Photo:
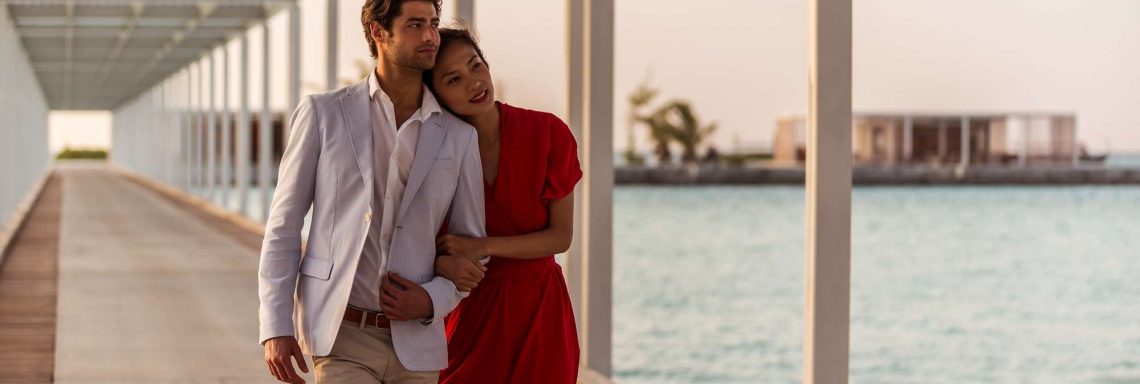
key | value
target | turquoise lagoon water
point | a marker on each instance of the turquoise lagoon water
(950, 285)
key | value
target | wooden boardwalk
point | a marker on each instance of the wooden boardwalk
(28, 294)
(113, 281)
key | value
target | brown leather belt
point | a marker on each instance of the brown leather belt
(357, 316)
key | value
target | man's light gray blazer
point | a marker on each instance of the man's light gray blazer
(328, 165)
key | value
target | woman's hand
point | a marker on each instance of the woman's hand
(465, 247)
(464, 272)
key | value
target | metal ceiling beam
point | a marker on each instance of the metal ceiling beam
(69, 54)
(115, 21)
(153, 3)
(124, 36)
(140, 33)
(204, 11)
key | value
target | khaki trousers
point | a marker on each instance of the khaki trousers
(364, 354)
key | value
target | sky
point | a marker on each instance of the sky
(743, 64)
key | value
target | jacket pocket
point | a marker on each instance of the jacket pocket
(316, 267)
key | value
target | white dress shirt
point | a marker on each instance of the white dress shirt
(393, 151)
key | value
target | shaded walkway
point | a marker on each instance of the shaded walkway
(149, 290)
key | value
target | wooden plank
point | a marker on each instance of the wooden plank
(28, 293)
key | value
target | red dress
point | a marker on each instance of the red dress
(517, 326)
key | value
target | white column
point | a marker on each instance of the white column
(155, 115)
(133, 134)
(592, 259)
(187, 131)
(265, 149)
(908, 139)
(294, 63)
(331, 49)
(227, 131)
(196, 130)
(827, 274)
(965, 162)
(465, 11)
(575, 264)
(242, 141)
(211, 133)
(171, 126)
(160, 130)
(143, 133)
(157, 129)
(188, 119)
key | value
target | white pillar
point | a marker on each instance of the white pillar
(265, 149)
(187, 131)
(211, 133)
(331, 49)
(965, 162)
(159, 127)
(227, 131)
(908, 139)
(242, 143)
(196, 112)
(827, 301)
(575, 265)
(144, 133)
(591, 41)
(171, 126)
(157, 159)
(465, 12)
(294, 63)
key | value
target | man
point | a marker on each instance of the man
(382, 166)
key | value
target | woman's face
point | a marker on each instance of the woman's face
(462, 81)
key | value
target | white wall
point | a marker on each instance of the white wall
(23, 122)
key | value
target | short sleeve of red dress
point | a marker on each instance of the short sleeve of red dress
(562, 169)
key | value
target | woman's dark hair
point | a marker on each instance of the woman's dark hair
(385, 12)
(448, 37)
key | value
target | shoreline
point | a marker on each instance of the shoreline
(881, 175)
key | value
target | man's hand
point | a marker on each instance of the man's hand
(403, 299)
(466, 247)
(464, 272)
(278, 351)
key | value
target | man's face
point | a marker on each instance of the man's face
(414, 39)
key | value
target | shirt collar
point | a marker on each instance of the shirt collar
(429, 106)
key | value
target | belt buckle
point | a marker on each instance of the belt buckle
(379, 318)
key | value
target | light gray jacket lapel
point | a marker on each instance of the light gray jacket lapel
(357, 109)
(431, 138)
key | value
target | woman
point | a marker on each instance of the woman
(517, 325)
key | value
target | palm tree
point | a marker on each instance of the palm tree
(677, 121)
(659, 131)
(638, 99)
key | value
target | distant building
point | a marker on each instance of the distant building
(936, 139)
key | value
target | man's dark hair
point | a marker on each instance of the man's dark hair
(449, 36)
(385, 12)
